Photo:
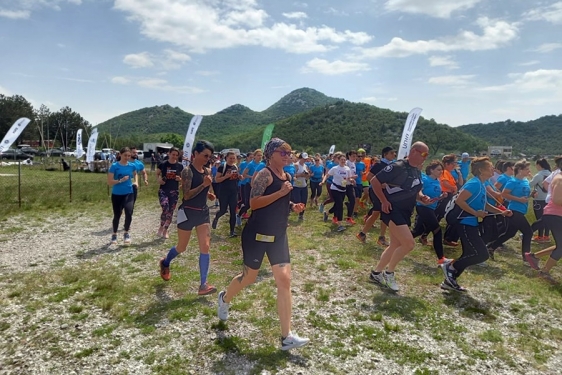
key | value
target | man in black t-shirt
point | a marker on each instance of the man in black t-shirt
(402, 188)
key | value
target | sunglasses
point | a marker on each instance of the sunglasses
(424, 154)
(283, 153)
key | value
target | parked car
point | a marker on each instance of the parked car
(55, 152)
(69, 153)
(14, 154)
(29, 150)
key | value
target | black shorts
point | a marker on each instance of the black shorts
(397, 216)
(254, 248)
(374, 200)
(193, 218)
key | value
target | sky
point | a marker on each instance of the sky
(462, 61)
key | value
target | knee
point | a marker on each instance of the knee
(284, 283)
(408, 245)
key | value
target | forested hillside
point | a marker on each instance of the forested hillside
(542, 136)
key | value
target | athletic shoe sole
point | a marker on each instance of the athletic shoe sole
(446, 286)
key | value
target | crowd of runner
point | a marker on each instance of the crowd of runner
(483, 206)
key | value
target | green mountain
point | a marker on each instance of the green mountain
(542, 136)
(352, 125)
(236, 119)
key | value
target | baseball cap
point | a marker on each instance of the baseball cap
(465, 155)
(386, 150)
(361, 151)
(304, 155)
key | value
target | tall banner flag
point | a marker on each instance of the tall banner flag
(79, 149)
(13, 133)
(332, 150)
(408, 133)
(190, 138)
(92, 146)
(267, 135)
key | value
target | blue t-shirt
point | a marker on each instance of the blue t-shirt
(317, 173)
(241, 168)
(518, 188)
(491, 200)
(359, 169)
(431, 188)
(465, 167)
(290, 169)
(139, 165)
(455, 175)
(329, 165)
(502, 180)
(477, 200)
(251, 169)
(119, 171)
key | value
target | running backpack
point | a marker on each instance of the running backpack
(453, 213)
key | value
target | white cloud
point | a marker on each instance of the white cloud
(202, 26)
(139, 60)
(207, 73)
(295, 15)
(551, 13)
(495, 34)
(173, 59)
(120, 80)
(334, 67)
(548, 47)
(162, 84)
(458, 80)
(537, 80)
(15, 14)
(446, 61)
(373, 99)
(300, 4)
(335, 12)
(433, 8)
(529, 63)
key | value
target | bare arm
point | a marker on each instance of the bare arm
(261, 181)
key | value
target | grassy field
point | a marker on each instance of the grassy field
(506, 324)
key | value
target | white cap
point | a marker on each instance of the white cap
(465, 155)
(304, 155)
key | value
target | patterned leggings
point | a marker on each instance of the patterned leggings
(168, 201)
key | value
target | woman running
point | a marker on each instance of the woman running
(471, 204)
(539, 200)
(227, 178)
(249, 171)
(553, 219)
(266, 233)
(517, 191)
(121, 176)
(341, 177)
(194, 213)
(300, 184)
(426, 218)
(169, 176)
(317, 173)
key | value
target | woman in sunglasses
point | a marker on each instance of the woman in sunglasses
(194, 213)
(266, 233)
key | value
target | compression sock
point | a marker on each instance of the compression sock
(171, 255)
(204, 261)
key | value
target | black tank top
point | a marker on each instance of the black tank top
(272, 219)
(200, 200)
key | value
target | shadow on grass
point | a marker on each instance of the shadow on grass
(102, 233)
(111, 249)
(392, 304)
(469, 307)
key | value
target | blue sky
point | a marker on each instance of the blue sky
(462, 61)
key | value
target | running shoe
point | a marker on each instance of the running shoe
(166, 234)
(382, 241)
(446, 285)
(450, 243)
(361, 237)
(449, 274)
(391, 281)
(245, 216)
(114, 239)
(482, 264)
(350, 221)
(164, 271)
(325, 217)
(127, 239)
(443, 261)
(206, 289)
(222, 310)
(321, 207)
(423, 241)
(340, 228)
(214, 223)
(293, 341)
(532, 260)
(232, 235)
(238, 221)
(547, 276)
(537, 238)
(335, 220)
(377, 278)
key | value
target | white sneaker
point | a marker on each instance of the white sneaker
(127, 239)
(293, 341)
(391, 281)
(222, 310)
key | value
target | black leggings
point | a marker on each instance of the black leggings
(489, 229)
(120, 203)
(517, 222)
(474, 249)
(246, 189)
(538, 208)
(338, 197)
(227, 200)
(350, 193)
(426, 221)
(330, 198)
(315, 190)
(555, 222)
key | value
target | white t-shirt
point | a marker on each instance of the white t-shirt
(341, 177)
(548, 180)
(300, 181)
